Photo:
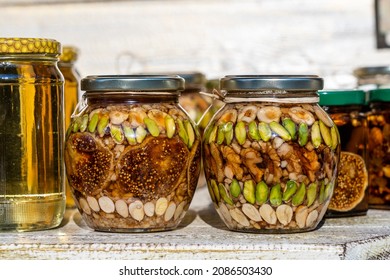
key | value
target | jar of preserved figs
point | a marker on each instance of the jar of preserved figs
(271, 154)
(66, 65)
(379, 149)
(132, 154)
(32, 195)
(372, 77)
(346, 108)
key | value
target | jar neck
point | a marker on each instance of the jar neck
(18, 57)
(277, 96)
(130, 97)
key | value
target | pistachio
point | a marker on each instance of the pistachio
(289, 125)
(212, 135)
(291, 188)
(182, 132)
(121, 208)
(179, 210)
(268, 214)
(328, 190)
(311, 194)
(249, 191)
(280, 130)
(93, 203)
(159, 117)
(251, 212)
(264, 131)
(170, 211)
(129, 133)
(299, 196)
(149, 209)
(325, 133)
(93, 122)
(225, 196)
(211, 192)
(228, 129)
(321, 197)
(220, 135)
(316, 135)
(239, 217)
(323, 116)
(102, 124)
(235, 189)
(300, 115)
(152, 127)
(84, 206)
(253, 131)
(303, 134)
(269, 114)
(106, 204)
(118, 117)
(312, 218)
(215, 189)
(170, 126)
(240, 132)
(284, 213)
(247, 114)
(190, 133)
(116, 133)
(140, 134)
(84, 123)
(136, 210)
(335, 137)
(275, 196)
(76, 124)
(261, 192)
(161, 206)
(301, 215)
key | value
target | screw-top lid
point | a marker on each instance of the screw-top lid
(379, 95)
(143, 83)
(371, 70)
(271, 82)
(29, 46)
(193, 80)
(342, 97)
(69, 54)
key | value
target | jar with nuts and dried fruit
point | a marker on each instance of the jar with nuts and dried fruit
(271, 154)
(132, 154)
(346, 108)
(379, 149)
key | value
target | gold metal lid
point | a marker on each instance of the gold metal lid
(69, 54)
(29, 46)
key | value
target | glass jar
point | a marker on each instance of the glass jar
(346, 108)
(132, 154)
(66, 65)
(379, 149)
(271, 154)
(372, 77)
(32, 193)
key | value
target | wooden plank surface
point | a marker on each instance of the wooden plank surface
(202, 235)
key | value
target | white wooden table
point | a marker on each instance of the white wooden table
(202, 235)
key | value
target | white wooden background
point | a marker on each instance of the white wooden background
(325, 37)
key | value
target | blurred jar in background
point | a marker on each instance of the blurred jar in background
(345, 107)
(372, 77)
(379, 149)
(66, 64)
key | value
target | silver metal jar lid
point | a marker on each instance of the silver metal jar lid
(143, 83)
(271, 82)
(371, 70)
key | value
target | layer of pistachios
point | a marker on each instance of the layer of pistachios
(133, 167)
(271, 167)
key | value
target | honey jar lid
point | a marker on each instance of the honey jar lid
(371, 71)
(271, 82)
(342, 97)
(134, 83)
(69, 54)
(379, 95)
(29, 46)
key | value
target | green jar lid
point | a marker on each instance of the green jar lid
(342, 97)
(381, 95)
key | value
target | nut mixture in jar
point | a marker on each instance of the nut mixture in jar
(271, 161)
(379, 149)
(346, 108)
(132, 158)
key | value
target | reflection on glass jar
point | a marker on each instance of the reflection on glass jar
(66, 65)
(31, 134)
(271, 154)
(350, 195)
(132, 154)
(379, 149)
